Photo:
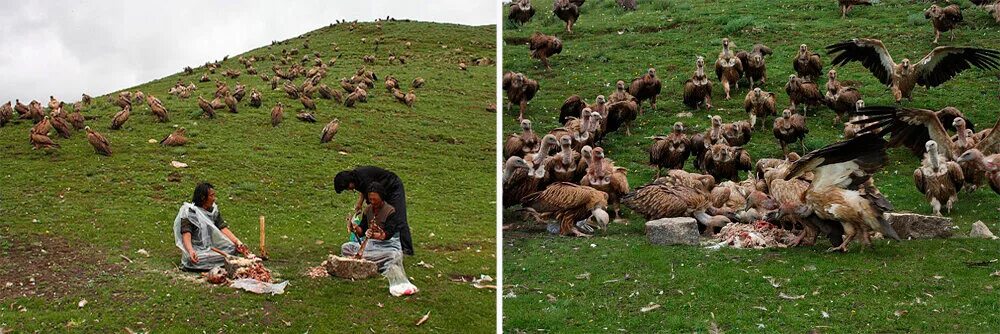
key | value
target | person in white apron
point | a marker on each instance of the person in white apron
(199, 227)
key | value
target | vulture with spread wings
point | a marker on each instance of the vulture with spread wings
(913, 127)
(840, 190)
(937, 67)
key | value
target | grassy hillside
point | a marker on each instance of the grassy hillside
(935, 285)
(69, 215)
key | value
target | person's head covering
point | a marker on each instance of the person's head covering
(343, 180)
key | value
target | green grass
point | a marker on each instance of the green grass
(860, 291)
(112, 206)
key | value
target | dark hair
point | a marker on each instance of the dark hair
(201, 193)
(343, 180)
(377, 188)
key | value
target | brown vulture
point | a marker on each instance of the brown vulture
(121, 117)
(230, 102)
(670, 151)
(759, 104)
(622, 114)
(572, 205)
(329, 131)
(603, 175)
(240, 92)
(410, 98)
(847, 5)
(646, 87)
(842, 99)
(700, 142)
(978, 168)
(840, 190)
(943, 19)
(85, 99)
(937, 67)
(549, 143)
(790, 128)
(158, 109)
(519, 144)
(255, 100)
(807, 64)
(6, 113)
(521, 12)
(754, 67)
(574, 105)
(656, 201)
(802, 92)
(543, 46)
(567, 11)
(724, 162)
(41, 140)
(520, 180)
(702, 182)
(175, 138)
(519, 90)
(737, 133)
(306, 117)
(851, 128)
(913, 127)
(417, 82)
(99, 142)
(938, 179)
(698, 89)
(20, 108)
(61, 126)
(562, 167)
(277, 114)
(628, 4)
(206, 107)
(728, 68)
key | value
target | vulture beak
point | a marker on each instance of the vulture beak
(599, 219)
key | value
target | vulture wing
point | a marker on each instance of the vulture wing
(869, 52)
(918, 179)
(847, 164)
(945, 62)
(907, 126)
(571, 107)
(565, 196)
(991, 143)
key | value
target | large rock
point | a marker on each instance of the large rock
(673, 231)
(914, 226)
(979, 230)
(350, 268)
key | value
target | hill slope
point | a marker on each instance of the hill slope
(859, 290)
(102, 208)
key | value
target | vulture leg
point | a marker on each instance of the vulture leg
(866, 237)
(843, 11)
(896, 93)
(708, 102)
(784, 147)
(951, 202)
(725, 87)
(523, 105)
(937, 34)
(652, 103)
(849, 234)
(545, 61)
(803, 143)
(936, 205)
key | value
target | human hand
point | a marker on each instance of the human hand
(194, 256)
(242, 249)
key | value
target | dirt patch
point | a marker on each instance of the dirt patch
(48, 266)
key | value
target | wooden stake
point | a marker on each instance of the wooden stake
(263, 249)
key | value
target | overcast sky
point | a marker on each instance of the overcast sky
(65, 48)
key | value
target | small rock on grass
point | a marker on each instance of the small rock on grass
(979, 230)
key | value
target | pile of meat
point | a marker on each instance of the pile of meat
(255, 271)
(760, 234)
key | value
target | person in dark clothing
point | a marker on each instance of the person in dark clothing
(362, 179)
(379, 227)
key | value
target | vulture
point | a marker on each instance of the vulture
(912, 127)
(698, 89)
(231, 103)
(520, 180)
(20, 108)
(562, 166)
(759, 104)
(391, 83)
(803, 92)
(964, 138)
(85, 99)
(410, 98)
(53, 103)
(329, 131)
(206, 107)
(520, 90)
(567, 11)
(99, 142)
(737, 133)
(521, 12)
(847, 5)
(753, 63)
(840, 190)
(670, 151)
(417, 82)
(307, 102)
(175, 138)
(851, 129)
(277, 114)
(792, 210)
(35, 112)
(702, 182)
(604, 176)
(240, 92)
(620, 94)
(656, 201)
(937, 67)
(159, 111)
(790, 128)
(572, 205)
(61, 126)
(6, 113)
(807, 64)
(41, 140)
(646, 87)
(520, 144)
(327, 93)
(943, 19)
(938, 179)
(548, 144)
(728, 68)
(120, 118)
(255, 98)
(581, 130)
(622, 114)
(979, 168)
(701, 141)
(842, 99)
(43, 126)
(399, 95)
(543, 46)
(628, 4)
(574, 105)
(724, 162)
(306, 117)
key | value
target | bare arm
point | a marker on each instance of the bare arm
(186, 239)
(361, 201)
(229, 235)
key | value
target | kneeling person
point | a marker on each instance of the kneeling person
(199, 227)
(380, 225)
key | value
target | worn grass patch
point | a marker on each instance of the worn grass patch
(602, 283)
(442, 148)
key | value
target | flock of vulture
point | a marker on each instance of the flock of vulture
(565, 175)
(312, 68)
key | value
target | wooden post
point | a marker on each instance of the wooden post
(263, 248)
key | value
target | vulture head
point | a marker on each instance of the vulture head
(586, 152)
(652, 72)
(932, 154)
(959, 124)
(972, 155)
(793, 80)
(716, 121)
(792, 157)
(678, 127)
(620, 85)
(933, 11)
(601, 100)
(786, 113)
(860, 104)
(757, 92)
(725, 43)
(88, 129)
(905, 64)
(803, 51)
(700, 62)
(512, 164)
(518, 80)
(832, 74)
(598, 218)
(526, 125)
(595, 121)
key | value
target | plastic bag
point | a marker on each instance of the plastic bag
(256, 286)
(399, 285)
